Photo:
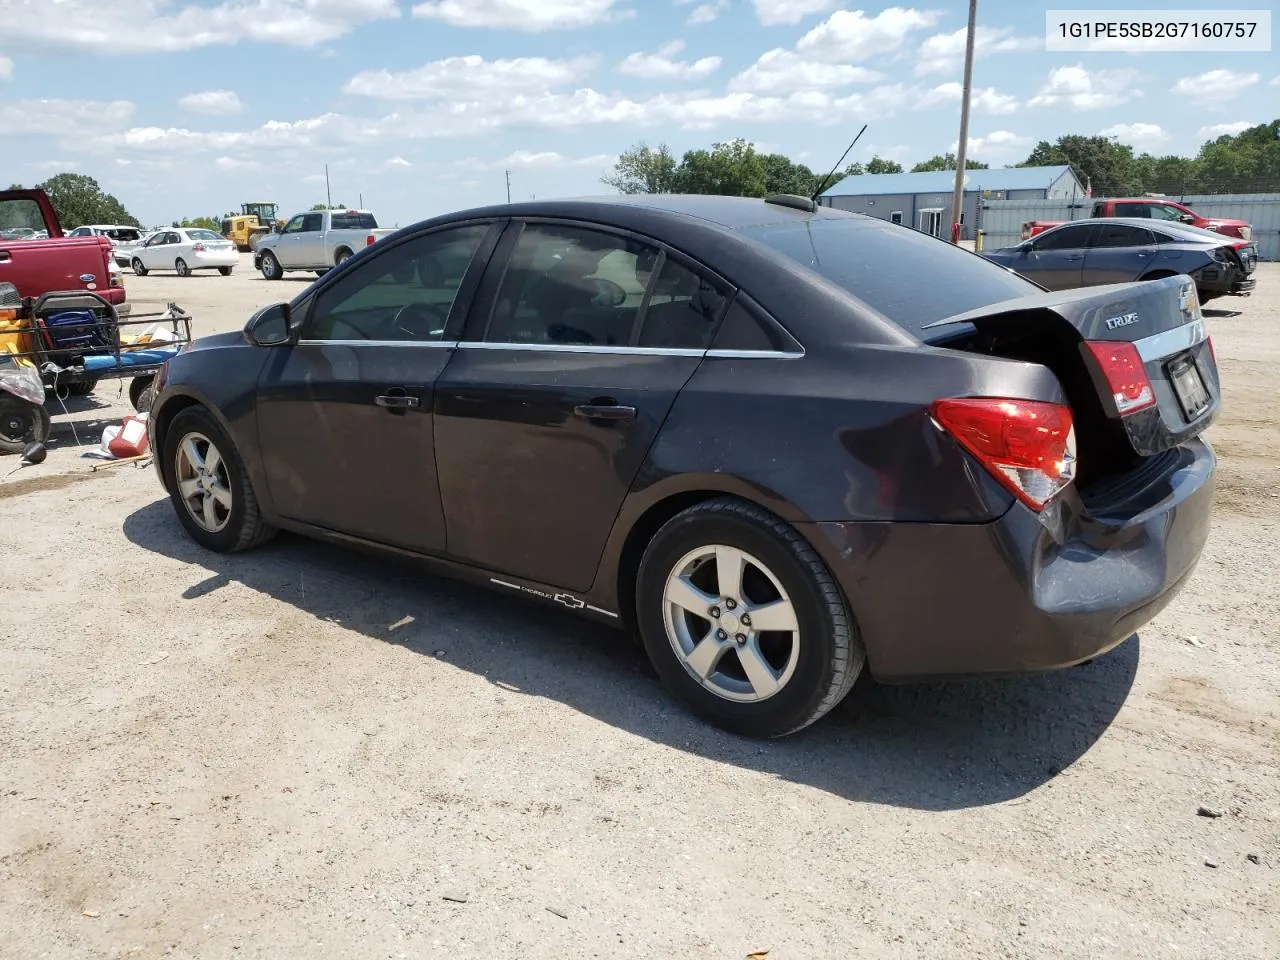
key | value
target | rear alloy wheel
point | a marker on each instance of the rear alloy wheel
(743, 621)
(209, 486)
(225, 271)
(271, 266)
(21, 423)
(138, 268)
(181, 266)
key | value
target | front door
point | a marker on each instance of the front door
(549, 408)
(930, 221)
(1055, 259)
(345, 415)
(296, 240)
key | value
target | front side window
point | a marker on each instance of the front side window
(294, 225)
(1161, 211)
(1065, 238)
(404, 293)
(1133, 210)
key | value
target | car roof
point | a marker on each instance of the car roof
(732, 213)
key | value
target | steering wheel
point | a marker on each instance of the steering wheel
(422, 321)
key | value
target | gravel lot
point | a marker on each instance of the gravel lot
(302, 752)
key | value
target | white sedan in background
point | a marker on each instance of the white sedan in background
(183, 250)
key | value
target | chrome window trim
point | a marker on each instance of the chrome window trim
(377, 343)
(755, 354)
(581, 348)
(1171, 341)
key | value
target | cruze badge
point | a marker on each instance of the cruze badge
(1115, 323)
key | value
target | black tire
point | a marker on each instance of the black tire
(21, 423)
(830, 653)
(181, 267)
(341, 256)
(142, 390)
(225, 271)
(81, 388)
(271, 266)
(138, 268)
(245, 527)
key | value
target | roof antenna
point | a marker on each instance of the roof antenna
(822, 184)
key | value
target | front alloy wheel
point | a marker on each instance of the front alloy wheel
(203, 482)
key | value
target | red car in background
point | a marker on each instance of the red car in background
(1155, 208)
(58, 262)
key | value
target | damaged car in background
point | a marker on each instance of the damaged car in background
(1086, 253)
(738, 427)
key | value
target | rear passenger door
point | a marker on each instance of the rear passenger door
(580, 341)
(1118, 253)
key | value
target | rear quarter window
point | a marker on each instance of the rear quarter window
(911, 278)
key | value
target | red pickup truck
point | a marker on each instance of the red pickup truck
(57, 262)
(1155, 209)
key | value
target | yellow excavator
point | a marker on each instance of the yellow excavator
(254, 222)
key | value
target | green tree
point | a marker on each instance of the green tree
(783, 176)
(1103, 161)
(732, 168)
(325, 206)
(201, 223)
(876, 165)
(947, 161)
(79, 200)
(643, 170)
(1245, 163)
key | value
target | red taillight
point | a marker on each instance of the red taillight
(198, 248)
(1029, 446)
(368, 241)
(1125, 374)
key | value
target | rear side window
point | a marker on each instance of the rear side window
(353, 221)
(682, 310)
(1122, 235)
(312, 222)
(905, 275)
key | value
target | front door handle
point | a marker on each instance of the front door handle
(604, 411)
(397, 400)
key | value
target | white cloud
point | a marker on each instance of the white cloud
(944, 52)
(470, 78)
(851, 35)
(399, 163)
(773, 12)
(1076, 88)
(1217, 130)
(6, 68)
(1143, 136)
(547, 159)
(981, 99)
(236, 163)
(705, 12)
(1275, 81)
(53, 166)
(61, 116)
(214, 102)
(137, 26)
(1214, 86)
(999, 145)
(531, 16)
(663, 66)
(782, 71)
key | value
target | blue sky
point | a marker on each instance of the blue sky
(187, 107)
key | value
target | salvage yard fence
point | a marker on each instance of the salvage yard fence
(1001, 220)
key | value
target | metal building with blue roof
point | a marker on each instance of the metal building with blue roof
(923, 200)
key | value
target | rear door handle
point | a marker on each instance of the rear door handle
(604, 411)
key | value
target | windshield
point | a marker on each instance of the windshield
(352, 221)
(909, 277)
(125, 234)
(203, 235)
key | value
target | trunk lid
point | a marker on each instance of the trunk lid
(1134, 360)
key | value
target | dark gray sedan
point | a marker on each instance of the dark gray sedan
(1087, 253)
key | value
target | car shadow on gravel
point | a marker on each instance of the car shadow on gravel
(929, 747)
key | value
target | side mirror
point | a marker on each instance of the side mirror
(1187, 218)
(271, 326)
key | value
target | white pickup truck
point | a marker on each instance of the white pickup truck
(318, 240)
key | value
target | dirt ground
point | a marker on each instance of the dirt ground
(302, 752)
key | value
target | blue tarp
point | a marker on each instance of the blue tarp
(131, 358)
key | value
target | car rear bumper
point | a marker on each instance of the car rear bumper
(1242, 288)
(1015, 595)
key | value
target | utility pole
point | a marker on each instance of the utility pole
(508, 172)
(327, 195)
(957, 202)
(361, 203)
